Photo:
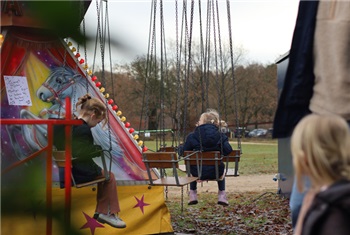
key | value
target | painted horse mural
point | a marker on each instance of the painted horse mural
(61, 83)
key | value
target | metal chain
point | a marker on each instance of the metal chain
(216, 60)
(85, 53)
(62, 74)
(149, 61)
(202, 56)
(162, 46)
(107, 31)
(101, 36)
(186, 79)
(222, 91)
(177, 105)
(207, 61)
(233, 77)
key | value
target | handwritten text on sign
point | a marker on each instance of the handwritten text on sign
(17, 90)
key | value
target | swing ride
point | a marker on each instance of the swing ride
(51, 75)
(185, 77)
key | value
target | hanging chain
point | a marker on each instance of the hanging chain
(207, 59)
(202, 57)
(219, 91)
(104, 81)
(233, 77)
(110, 54)
(101, 37)
(149, 62)
(186, 79)
(222, 91)
(161, 85)
(85, 54)
(216, 60)
(177, 109)
(62, 74)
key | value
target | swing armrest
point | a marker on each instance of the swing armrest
(233, 156)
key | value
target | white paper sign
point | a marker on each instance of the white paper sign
(17, 90)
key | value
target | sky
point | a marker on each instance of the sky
(264, 28)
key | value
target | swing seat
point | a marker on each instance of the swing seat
(234, 156)
(197, 158)
(60, 159)
(162, 161)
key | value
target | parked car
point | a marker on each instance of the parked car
(257, 133)
(241, 132)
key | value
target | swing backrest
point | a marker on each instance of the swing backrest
(167, 149)
(206, 158)
(200, 159)
(234, 156)
(161, 160)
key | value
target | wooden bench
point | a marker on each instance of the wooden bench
(60, 159)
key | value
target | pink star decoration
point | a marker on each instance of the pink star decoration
(91, 223)
(141, 203)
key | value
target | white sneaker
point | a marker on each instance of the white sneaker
(112, 220)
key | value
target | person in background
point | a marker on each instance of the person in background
(224, 128)
(92, 111)
(320, 147)
(317, 77)
(208, 137)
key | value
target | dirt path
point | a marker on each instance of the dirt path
(243, 183)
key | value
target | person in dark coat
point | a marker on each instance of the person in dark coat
(321, 150)
(84, 169)
(317, 77)
(208, 137)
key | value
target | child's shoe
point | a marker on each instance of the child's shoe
(112, 220)
(193, 197)
(222, 200)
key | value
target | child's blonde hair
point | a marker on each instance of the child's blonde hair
(91, 105)
(321, 149)
(211, 116)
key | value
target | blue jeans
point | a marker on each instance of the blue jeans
(296, 199)
(208, 173)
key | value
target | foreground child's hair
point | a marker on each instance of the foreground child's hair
(91, 105)
(321, 149)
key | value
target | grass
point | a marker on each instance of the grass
(248, 213)
(258, 158)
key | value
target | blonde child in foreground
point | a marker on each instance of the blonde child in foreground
(321, 150)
